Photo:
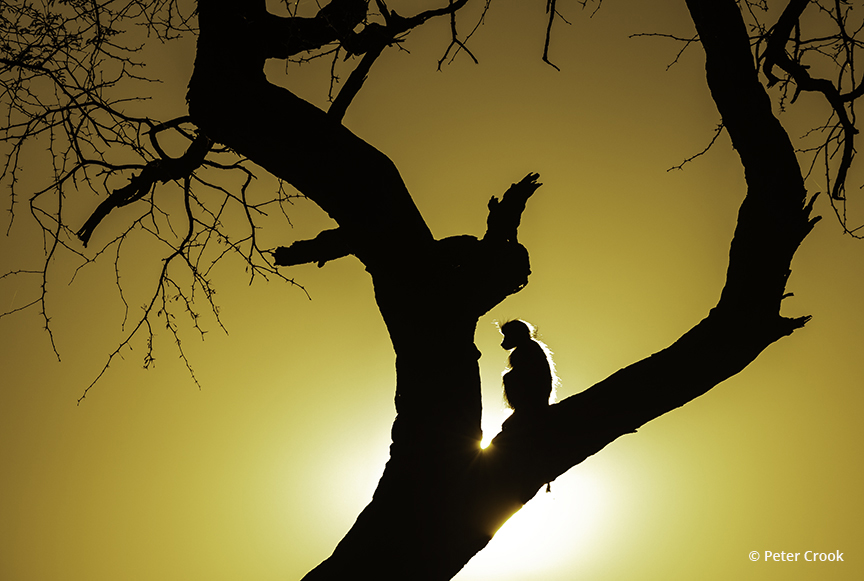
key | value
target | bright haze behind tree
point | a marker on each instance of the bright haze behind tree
(433, 293)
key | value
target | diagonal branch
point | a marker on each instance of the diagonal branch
(161, 170)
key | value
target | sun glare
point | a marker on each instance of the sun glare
(491, 424)
(552, 529)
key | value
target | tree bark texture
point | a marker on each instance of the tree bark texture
(441, 498)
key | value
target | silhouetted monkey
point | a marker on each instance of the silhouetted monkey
(528, 382)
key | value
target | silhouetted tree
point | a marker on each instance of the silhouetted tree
(441, 498)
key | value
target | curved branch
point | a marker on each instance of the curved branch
(357, 185)
(776, 55)
(161, 170)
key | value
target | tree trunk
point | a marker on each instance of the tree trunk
(441, 498)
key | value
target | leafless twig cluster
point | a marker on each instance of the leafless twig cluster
(810, 47)
(71, 83)
(66, 73)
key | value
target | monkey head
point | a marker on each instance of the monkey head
(516, 332)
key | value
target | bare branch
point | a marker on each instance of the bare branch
(687, 42)
(162, 170)
(459, 44)
(789, 49)
(372, 41)
(717, 131)
(63, 72)
(552, 12)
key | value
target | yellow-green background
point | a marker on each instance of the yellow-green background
(258, 474)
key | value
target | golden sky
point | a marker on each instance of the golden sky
(258, 474)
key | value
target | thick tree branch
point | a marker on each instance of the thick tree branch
(283, 37)
(231, 99)
(328, 245)
(774, 218)
(354, 83)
